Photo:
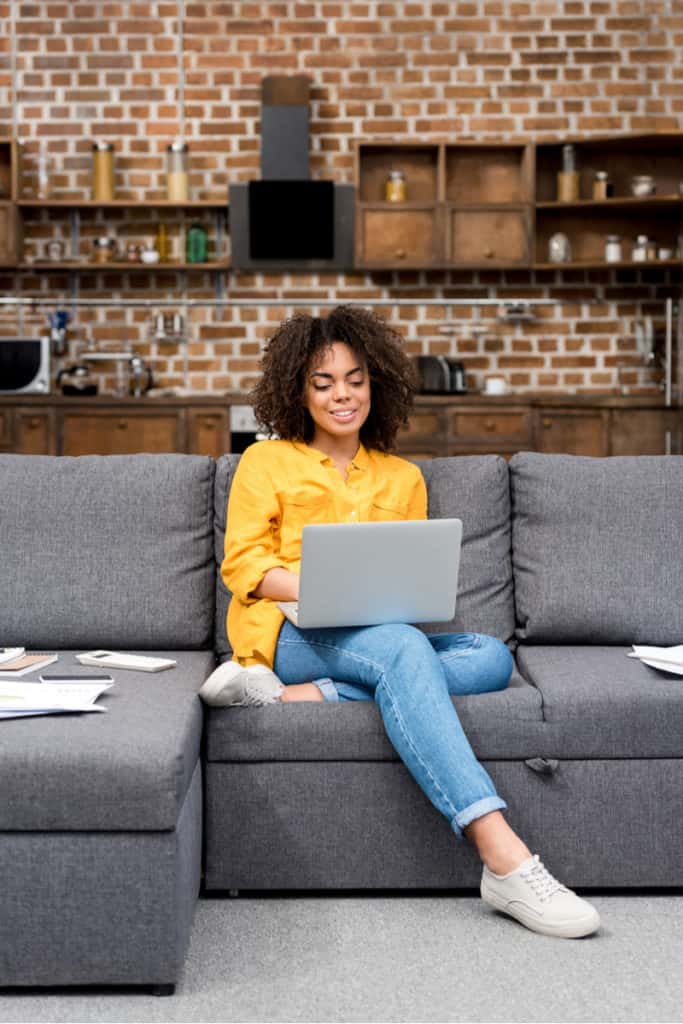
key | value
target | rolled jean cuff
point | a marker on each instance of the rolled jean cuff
(476, 810)
(327, 688)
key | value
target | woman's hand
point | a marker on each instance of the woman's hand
(279, 585)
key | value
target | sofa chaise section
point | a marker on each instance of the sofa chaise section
(101, 818)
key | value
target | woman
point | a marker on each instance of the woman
(335, 391)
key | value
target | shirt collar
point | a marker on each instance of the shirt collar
(360, 460)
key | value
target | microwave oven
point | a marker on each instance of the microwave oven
(24, 366)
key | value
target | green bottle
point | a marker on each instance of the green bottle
(196, 244)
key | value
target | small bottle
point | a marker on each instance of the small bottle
(559, 248)
(613, 251)
(104, 249)
(103, 171)
(177, 177)
(639, 251)
(162, 242)
(602, 188)
(196, 244)
(568, 177)
(395, 187)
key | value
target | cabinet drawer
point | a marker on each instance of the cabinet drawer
(572, 432)
(120, 433)
(397, 237)
(422, 424)
(508, 426)
(209, 433)
(34, 432)
(482, 237)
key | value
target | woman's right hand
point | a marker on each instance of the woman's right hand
(279, 585)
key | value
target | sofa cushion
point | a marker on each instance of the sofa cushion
(507, 723)
(473, 488)
(599, 703)
(111, 552)
(125, 770)
(596, 549)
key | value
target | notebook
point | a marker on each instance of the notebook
(363, 574)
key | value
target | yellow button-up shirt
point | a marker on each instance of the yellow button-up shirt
(278, 488)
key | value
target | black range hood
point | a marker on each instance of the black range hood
(287, 221)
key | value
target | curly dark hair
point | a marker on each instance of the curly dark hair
(298, 344)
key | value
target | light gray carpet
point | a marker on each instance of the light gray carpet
(401, 958)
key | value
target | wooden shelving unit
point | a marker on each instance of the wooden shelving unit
(474, 205)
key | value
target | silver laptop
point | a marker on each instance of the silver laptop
(364, 574)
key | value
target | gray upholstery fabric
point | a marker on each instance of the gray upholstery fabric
(504, 724)
(333, 825)
(125, 770)
(600, 703)
(111, 551)
(596, 549)
(473, 488)
(107, 908)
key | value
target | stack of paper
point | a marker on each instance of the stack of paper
(19, 700)
(668, 659)
(14, 662)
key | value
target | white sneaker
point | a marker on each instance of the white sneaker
(532, 896)
(232, 683)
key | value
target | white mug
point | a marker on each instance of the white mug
(496, 386)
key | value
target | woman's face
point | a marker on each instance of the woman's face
(337, 394)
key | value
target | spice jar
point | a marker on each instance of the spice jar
(613, 251)
(104, 250)
(602, 187)
(568, 177)
(639, 251)
(395, 187)
(102, 171)
(559, 248)
(177, 177)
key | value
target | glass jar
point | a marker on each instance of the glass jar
(395, 187)
(568, 177)
(613, 250)
(102, 171)
(177, 175)
(639, 251)
(196, 244)
(132, 253)
(602, 187)
(104, 250)
(559, 248)
(162, 242)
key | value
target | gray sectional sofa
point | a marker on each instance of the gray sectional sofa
(107, 822)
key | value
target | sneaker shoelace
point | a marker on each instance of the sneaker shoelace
(541, 881)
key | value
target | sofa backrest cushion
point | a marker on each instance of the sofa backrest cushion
(473, 488)
(112, 551)
(597, 548)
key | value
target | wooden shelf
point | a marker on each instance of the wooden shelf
(604, 265)
(121, 204)
(121, 265)
(617, 202)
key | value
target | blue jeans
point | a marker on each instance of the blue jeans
(411, 676)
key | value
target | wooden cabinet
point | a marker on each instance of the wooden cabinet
(120, 433)
(644, 432)
(572, 431)
(208, 432)
(477, 205)
(34, 431)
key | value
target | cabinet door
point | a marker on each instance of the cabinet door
(488, 237)
(640, 431)
(492, 427)
(394, 238)
(209, 432)
(424, 436)
(9, 234)
(572, 432)
(120, 433)
(34, 432)
(5, 429)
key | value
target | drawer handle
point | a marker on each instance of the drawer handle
(489, 253)
(209, 424)
(34, 423)
(490, 425)
(400, 254)
(122, 425)
(547, 423)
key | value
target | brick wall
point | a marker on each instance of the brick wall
(490, 69)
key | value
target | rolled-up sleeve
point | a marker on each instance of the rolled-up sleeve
(252, 521)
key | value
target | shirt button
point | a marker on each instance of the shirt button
(353, 513)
